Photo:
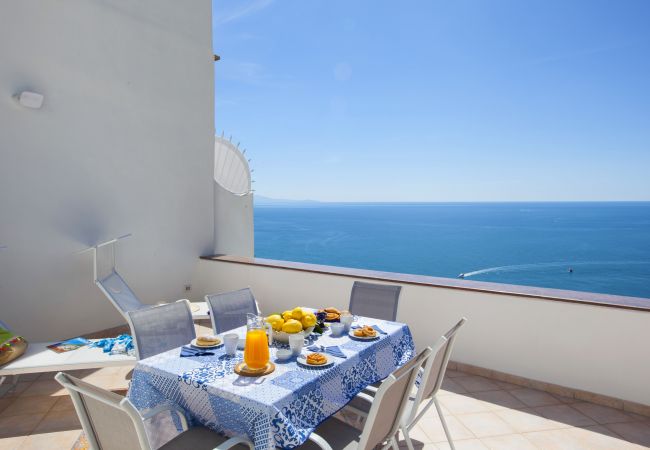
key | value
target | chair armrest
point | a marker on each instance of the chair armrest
(371, 388)
(150, 413)
(322, 443)
(356, 411)
(234, 441)
(366, 397)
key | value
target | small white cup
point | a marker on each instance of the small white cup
(230, 341)
(347, 321)
(296, 341)
(337, 329)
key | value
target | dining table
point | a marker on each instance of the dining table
(282, 408)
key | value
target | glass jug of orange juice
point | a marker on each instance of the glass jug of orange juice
(256, 351)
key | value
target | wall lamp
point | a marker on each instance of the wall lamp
(29, 99)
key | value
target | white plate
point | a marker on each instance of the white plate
(302, 360)
(362, 338)
(195, 345)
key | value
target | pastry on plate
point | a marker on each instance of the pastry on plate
(365, 331)
(331, 314)
(207, 340)
(316, 359)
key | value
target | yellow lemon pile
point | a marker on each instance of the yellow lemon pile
(293, 321)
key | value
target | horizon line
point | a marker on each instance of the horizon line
(281, 200)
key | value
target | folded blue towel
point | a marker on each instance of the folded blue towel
(333, 350)
(121, 344)
(376, 327)
(190, 351)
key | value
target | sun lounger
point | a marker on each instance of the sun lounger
(119, 293)
(38, 358)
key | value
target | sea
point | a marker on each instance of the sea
(593, 247)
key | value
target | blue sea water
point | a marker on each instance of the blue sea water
(606, 244)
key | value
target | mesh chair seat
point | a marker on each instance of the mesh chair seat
(198, 438)
(111, 422)
(374, 300)
(157, 329)
(339, 435)
(229, 309)
(384, 415)
(432, 375)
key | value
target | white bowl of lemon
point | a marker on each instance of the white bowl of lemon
(296, 321)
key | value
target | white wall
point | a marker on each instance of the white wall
(123, 143)
(233, 223)
(596, 349)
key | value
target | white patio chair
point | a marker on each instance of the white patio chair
(111, 283)
(383, 419)
(378, 301)
(111, 422)
(432, 376)
(160, 328)
(228, 310)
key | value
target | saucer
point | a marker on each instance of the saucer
(243, 370)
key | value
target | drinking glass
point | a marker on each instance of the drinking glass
(347, 321)
(337, 328)
(230, 341)
(296, 341)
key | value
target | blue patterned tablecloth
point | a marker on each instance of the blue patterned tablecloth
(280, 409)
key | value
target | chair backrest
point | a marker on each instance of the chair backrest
(228, 310)
(119, 293)
(434, 369)
(109, 421)
(157, 329)
(385, 414)
(374, 300)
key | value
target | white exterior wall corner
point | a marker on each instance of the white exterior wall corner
(124, 143)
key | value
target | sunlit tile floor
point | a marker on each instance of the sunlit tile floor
(481, 414)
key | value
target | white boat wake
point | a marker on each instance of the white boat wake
(550, 265)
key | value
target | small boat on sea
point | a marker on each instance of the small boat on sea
(462, 275)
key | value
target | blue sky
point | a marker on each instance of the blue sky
(464, 100)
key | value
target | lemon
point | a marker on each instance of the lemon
(292, 326)
(276, 321)
(308, 320)
(287, 315)
(297, 313)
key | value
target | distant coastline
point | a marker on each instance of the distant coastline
(261, 200)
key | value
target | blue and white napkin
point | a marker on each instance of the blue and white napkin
(191, 351)
(333, 350)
